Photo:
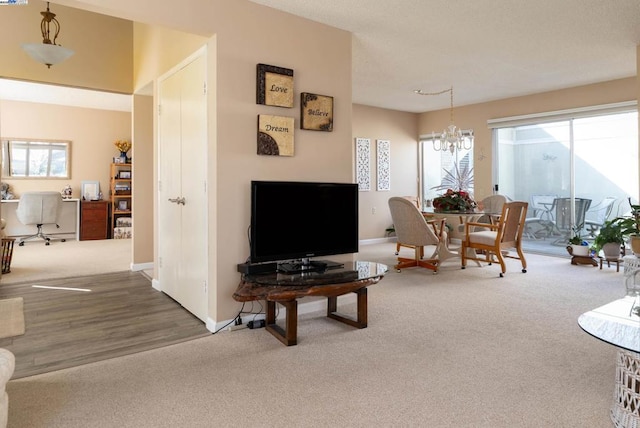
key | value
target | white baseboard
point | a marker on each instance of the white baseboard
(377, 240)
(135, 267)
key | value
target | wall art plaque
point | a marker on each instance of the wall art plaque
(384, 165)
(275, 135)
(363, 164)
(274, 86)
(316, 112)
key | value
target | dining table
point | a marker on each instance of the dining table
(456, 222)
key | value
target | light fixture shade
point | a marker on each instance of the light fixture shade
(46, 53)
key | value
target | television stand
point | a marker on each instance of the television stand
(277, 288)
(305, 265)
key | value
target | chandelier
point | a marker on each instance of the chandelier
(48, 52)
(451, 139)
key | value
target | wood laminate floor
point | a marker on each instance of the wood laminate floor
(121, 314)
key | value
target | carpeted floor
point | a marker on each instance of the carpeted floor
(462, 348)
(35, 261)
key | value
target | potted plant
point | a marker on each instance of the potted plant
(630, 226)
(578, 246)
(609, 239)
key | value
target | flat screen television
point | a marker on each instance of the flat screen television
(300, 220)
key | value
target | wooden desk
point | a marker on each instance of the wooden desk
(286, 289)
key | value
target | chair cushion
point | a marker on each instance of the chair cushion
(485, 237)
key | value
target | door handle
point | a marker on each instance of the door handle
(178, 200)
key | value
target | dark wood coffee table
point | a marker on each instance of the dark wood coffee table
(285, 289)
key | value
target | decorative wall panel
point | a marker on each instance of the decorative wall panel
(384, 165)
(363, 164)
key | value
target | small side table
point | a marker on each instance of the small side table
(609, 261)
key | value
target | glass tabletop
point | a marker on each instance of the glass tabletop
(350, 272)
(617, 323)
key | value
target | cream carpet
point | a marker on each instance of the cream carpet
(462, 348)
(35, 261)
(11, 317)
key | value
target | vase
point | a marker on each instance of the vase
(123, 156)
(634, 242)
(611, 250)
(579, 250)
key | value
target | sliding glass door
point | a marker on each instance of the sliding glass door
(575, 174)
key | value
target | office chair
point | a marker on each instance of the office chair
(39, 208)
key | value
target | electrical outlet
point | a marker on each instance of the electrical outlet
(373, 210)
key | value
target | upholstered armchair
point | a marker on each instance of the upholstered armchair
(414, 231)
(7, 366)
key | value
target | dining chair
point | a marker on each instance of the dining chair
(597, 215)
(416, 201)
(491, 205)
(496, 239)
(563, 224)
(413, 230)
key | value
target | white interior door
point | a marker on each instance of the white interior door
(182, 192)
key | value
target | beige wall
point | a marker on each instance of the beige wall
(321, 59)
(91, 132)
(103, 50)
(402, 130)
(475, 117)
(158, 49)
(143, 155)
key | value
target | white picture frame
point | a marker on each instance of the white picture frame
(90, 190)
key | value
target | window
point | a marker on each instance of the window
(36, 159)
(589, 155)
(442, 169)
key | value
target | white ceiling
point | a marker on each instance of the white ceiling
(485, 49)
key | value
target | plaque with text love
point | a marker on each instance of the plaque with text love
(275, 135)
(274, 86)
(316, 112)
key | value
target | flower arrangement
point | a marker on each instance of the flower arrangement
(454, 201)
(123, 145)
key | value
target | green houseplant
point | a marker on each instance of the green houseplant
(577, 246)
(630, 226)
(609, 239)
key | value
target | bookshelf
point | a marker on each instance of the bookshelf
(121, 201)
